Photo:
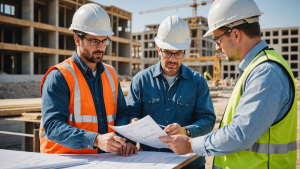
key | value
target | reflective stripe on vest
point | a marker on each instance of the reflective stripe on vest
(111, 81)
(273, 148)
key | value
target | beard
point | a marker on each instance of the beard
(85, 53)
(171, 69)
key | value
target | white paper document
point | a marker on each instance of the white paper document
(144, 160)
(145, 131)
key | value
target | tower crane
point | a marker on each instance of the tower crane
(193, 5)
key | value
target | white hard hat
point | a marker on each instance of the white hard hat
(173, 34)
(231, 13)
(92, 19)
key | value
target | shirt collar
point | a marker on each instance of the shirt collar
(182, 72)
(83, 67)
(251, 55)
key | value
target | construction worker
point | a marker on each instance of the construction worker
(206, 75)
(82, 96)
(174, 95)
(259, 126)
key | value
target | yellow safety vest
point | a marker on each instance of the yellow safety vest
(277, 147)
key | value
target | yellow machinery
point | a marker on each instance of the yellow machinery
(216, 67)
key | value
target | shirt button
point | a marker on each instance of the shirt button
(92, 78)
(100, 113)
(98, 98)
(149, 101)
(186, 105)
(88, 145)
(168, 98)
(167, 109)
(165, 82)
(167, 121)
(101, 119)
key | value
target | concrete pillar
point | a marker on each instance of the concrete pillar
(53, 40)
(27, 10)
(27, 63)
(130, 69)
(117, 67)
(65, 16)
(117, 25)
(53, 60)
(53, 12)
(117, 48)
(28, 36)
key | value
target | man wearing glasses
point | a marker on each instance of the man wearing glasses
(174, 95)
(259, 127)
(82, 96)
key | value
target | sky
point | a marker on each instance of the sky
(277, 13)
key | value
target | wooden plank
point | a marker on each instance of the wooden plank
(33, 116)
(20, 118)
(186, 162)
(36, 141)
(17, 111)
(29, 141)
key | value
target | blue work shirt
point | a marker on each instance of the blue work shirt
(55, 108)
(266, 97)
(186, 101)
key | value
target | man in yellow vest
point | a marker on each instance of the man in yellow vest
(207, 75)
(259, 127)
(82, 96)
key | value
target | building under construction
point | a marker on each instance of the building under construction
(199, 45)
(34, 36)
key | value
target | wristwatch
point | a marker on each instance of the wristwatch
(188, 132)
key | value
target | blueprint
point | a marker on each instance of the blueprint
(145, 131)
(144, 160)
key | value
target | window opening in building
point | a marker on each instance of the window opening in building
(267, 33)
(294, 65)
(294, 40)
(146, 37)
(286, 57)
(275, 41)
(275, 33)
(294, 57)
(232, 67)
(285, 40)
(294, 48)
(151, 36)
(285, 32)
(146, 54)
(261, 34)
(294, 32)
(267, 41)
(139, 37)
(225, 75)
(232, 75)
(295, 74)
(225, 67)
(285, 49)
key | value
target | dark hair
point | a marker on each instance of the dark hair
(251, 30)
(78, 33)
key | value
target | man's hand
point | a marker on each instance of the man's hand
(109, 142)
(180, 144)
(134, 120)
(175, 128)
(127, 150)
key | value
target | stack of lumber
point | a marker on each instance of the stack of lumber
(125, 87)
(15, 107)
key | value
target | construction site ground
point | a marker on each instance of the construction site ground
(31, 90)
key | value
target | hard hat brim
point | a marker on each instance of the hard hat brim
(96, 33)
(172, 46)
(210, 31)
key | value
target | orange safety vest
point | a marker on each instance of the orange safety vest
(81, 107)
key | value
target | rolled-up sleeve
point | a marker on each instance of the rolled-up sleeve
(55, 114)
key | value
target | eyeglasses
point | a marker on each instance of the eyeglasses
(177, 55)
(219, 41)
(96, 42)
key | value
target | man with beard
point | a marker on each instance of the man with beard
(259, 126)
(172, 94)
(82, 96)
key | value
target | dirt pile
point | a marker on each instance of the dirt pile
(20, 90)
